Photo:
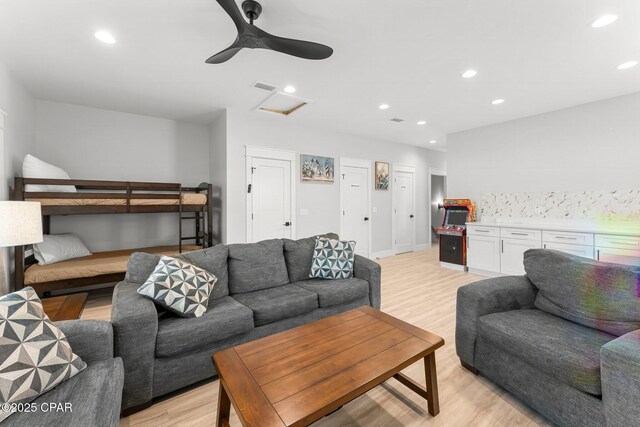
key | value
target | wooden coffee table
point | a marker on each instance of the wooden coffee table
(298, 376)
(65, 307)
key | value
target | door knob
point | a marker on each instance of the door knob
(410, 216)
(287, 224)
(366, 218)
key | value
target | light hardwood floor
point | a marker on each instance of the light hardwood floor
(414, 289)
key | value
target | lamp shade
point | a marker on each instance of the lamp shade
(20, 223)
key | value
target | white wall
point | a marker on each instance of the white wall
(98, 144)
(594, 146)
(322, 200)
(18, 139)
(218, 161)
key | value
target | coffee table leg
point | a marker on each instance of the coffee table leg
(433, 401)
(224, 407)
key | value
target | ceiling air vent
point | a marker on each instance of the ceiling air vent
(264, 86)
(282, 103)
(397, 120)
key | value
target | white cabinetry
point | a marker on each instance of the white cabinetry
(514, 243)
(580, 244)
(618, 249)
(483, 253)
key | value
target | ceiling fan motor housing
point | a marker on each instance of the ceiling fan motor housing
(252, 9)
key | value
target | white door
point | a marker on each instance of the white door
(404, 211)
(512, 256)
(270, 199)
(354, 192)
(483, 253)
(579, 250)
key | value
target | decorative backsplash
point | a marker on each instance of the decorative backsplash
(615, 205)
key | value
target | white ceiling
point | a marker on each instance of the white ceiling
(538, 55)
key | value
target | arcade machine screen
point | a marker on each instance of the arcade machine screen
(456, 217)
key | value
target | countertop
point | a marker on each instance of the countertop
(624, 230)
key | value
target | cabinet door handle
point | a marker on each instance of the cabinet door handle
(598, 255)
(545, 246)
(502, 244)
(618, 242)
(566, 238)
(519, 234)
(482, 231)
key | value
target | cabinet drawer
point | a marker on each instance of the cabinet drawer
(585, 239)
(578, 250)
(618, 256)
(479, 230)
(620, 242)
(517, 234)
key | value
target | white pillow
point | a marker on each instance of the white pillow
(59, 247)
(33, 167)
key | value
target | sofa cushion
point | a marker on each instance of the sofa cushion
(282, 302)
(179, 287)
(214, 260)
(298, 255)
(565, 350)
(597, 294)
(336, 292)
(256, 266)
(92, 397)
(224, 318)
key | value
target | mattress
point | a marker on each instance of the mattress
(187, 199)
(93, 265)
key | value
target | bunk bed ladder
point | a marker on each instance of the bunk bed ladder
(199, 218)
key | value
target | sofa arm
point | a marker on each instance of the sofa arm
(485, 297)
(135, 327)
(620, 371)
(365, 269)
(92, 340)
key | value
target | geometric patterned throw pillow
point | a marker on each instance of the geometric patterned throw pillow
(179, 286)
(35, 355)
(332, 259)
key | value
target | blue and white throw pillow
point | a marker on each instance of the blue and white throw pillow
(180, 287)
(332, 259)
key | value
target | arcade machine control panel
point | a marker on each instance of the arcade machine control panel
(452, 233)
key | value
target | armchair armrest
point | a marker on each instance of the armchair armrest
(365, 269)
(92, 340)
(135, 327)
(620, 371)
(485, 297)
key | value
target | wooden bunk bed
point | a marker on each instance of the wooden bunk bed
(201, 204)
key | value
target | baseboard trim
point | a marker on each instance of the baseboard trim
(487, 273)
(422, 247)
(383, 254)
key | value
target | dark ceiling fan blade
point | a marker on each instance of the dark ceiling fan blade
(225, 55)
(299, 48)
(233, 11)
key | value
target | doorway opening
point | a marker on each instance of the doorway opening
(437, 194)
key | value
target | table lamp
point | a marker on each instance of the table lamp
(20, 224)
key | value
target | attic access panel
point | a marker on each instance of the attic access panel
(283, 104)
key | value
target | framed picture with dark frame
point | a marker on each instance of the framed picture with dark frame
(382, 176)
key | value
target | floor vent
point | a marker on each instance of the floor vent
(264, 86)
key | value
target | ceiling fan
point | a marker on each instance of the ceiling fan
(252, 37)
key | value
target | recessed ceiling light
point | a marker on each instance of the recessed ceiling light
(433, 141)
(603, 21)
(383, 106)
(497, 101)
(422, 123)
(290, 89)
(105, 37)
(627, 65)
(469, 73)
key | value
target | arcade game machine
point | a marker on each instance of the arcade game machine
(453, 231)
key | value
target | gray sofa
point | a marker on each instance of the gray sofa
(565, 338)
(262, 288)
(95, 394)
